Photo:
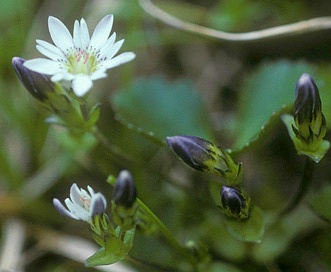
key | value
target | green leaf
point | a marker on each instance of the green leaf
(321, 202)
(265, 95)
(159, 108)
(115, 250)
(250, 230)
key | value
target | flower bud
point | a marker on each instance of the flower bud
(124, 205)
(125, 193)
(234, 203)
(37, 84)
(309, 119)
(307, 127)
(204, 156)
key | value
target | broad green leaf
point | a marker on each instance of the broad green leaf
(264, 97)
(282, 232)
(250, 230)
(159, 108)
(321, 202)
(323, 82)
(222, 267)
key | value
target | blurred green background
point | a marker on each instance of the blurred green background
(179, 83)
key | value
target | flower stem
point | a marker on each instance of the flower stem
(112, 148)
(305, 183)
(166, 233)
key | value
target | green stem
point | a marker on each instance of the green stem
(112, 148)
(167, 234)
(305, 183)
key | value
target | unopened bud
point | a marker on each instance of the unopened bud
(37, 84)
(125, 192)
(234, 202)
(307, 127)
(204, 156)
(309, 119)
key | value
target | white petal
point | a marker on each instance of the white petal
(91, 191)
(102, 31)
(75, 194)
(84, 34)
(61, 209)
(60, 34)
(43, 66)
(100, 73)
(81, 84)
(76, 35)
(57, 77)
(50, 47)
(107, 46)
(114, 49)
(120, 59)
(77, 210)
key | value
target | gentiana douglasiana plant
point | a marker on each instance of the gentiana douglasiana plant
(61, 84)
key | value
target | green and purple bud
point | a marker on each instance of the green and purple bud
(309, 119)
(37, 84)
(235, 203)
(307, 127)
(124, 204)
(204, 156)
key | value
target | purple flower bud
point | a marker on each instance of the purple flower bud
(234, 203)
(204, 156)
(193, 150)
(307, 99)
(37, 84)
(125, 192)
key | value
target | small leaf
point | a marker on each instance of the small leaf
(157, 108)
(321, 202)
(264, 94)
(93, 116)
(105, 256)
(250, 230)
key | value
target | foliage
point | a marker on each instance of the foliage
(249, 204)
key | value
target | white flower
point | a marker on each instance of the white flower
(82, 205)
(79, 58)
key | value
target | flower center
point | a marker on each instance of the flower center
(86, 202)
(82, 62)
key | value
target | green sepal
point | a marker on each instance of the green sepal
(93, 116)
(248, 230)
(315, 150)
(116, 249)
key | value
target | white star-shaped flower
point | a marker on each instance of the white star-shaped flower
(82, 205)
(80, 58)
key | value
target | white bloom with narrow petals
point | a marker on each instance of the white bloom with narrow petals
(82, 204)
(79, 58)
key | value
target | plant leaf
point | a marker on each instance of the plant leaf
(265, 95)
(321, 202)
(158, 109)
(250, 230)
